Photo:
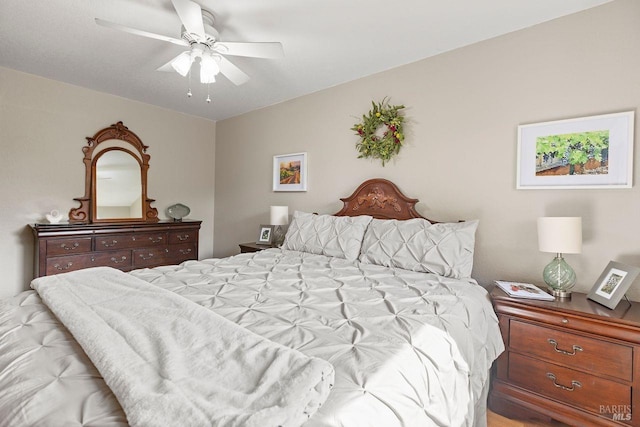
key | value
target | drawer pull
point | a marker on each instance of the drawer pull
(554, 343)
(62, 268)
(574, 383)
(148, 256)
(108, 245)
(69, 248)
(118, 261)
(183, 238)
(184, 252)
(155, 240)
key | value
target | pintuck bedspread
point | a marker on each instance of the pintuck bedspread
(408, 348)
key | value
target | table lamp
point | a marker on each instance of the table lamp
(560, 235)
(279, 218)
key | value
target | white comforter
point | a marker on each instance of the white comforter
(171, 362)
(409, 349)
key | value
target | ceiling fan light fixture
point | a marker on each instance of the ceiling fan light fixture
(200, 36)
(208, 69)
(182, 63)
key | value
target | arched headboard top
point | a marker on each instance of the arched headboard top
(381, 199)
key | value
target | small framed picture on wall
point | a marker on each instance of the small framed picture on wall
(290, 172)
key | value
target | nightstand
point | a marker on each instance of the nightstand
(570, 360)
(253, 247)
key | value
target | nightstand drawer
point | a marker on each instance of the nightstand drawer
(587, 354)
(576, 388)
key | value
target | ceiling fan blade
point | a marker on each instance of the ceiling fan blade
(190, 14)
(233, 73)
(254, 50)
(137, 32)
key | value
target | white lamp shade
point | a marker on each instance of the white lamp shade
(561, 235)
(279, 215)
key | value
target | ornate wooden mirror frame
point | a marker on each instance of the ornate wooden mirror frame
(86, 212)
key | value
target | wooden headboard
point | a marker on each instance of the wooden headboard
(381, 199)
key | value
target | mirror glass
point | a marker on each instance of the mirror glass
(118, 190)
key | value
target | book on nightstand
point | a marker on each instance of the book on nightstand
(523, 290)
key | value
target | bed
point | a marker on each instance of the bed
(376, 300)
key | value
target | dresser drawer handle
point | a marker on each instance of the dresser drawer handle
(148, 256)
(108, 245)
(155, 239)
(574, 383)
(118, 261)
(62, 268)
(184, 252)
(69, 248)
(182, 238)
(554, 343)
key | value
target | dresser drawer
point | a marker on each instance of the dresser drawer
(68, 246)
(588, 354)
(63, 264)
(576, 388)
(141, 240)
(147, 257)
(179, 253)
(185, 236)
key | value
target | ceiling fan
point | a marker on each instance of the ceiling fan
(200, 36)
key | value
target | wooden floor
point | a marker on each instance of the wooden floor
(495, 420)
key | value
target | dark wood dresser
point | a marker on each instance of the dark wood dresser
(570, 360)
(126, 246)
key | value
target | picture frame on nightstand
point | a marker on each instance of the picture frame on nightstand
(613, 283)
(265, 235)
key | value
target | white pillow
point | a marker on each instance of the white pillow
(337, 236)
(416, 244)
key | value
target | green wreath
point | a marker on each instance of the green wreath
(371, 144)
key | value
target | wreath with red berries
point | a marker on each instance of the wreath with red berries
(380, 132)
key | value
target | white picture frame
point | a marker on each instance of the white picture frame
(603, 143)
(290, 172)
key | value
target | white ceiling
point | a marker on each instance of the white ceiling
(326, 43)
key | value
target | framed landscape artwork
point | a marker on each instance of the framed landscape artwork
(290, 172)
(586, 152)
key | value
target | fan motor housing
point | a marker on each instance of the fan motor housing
(212, 34)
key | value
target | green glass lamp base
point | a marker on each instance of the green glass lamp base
(559, 277)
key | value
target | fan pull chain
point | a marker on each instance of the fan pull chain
(189, 94)
(208, 96)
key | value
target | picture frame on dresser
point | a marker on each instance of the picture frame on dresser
(613, 283)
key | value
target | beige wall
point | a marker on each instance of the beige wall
(463, 109)
(43, 125)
